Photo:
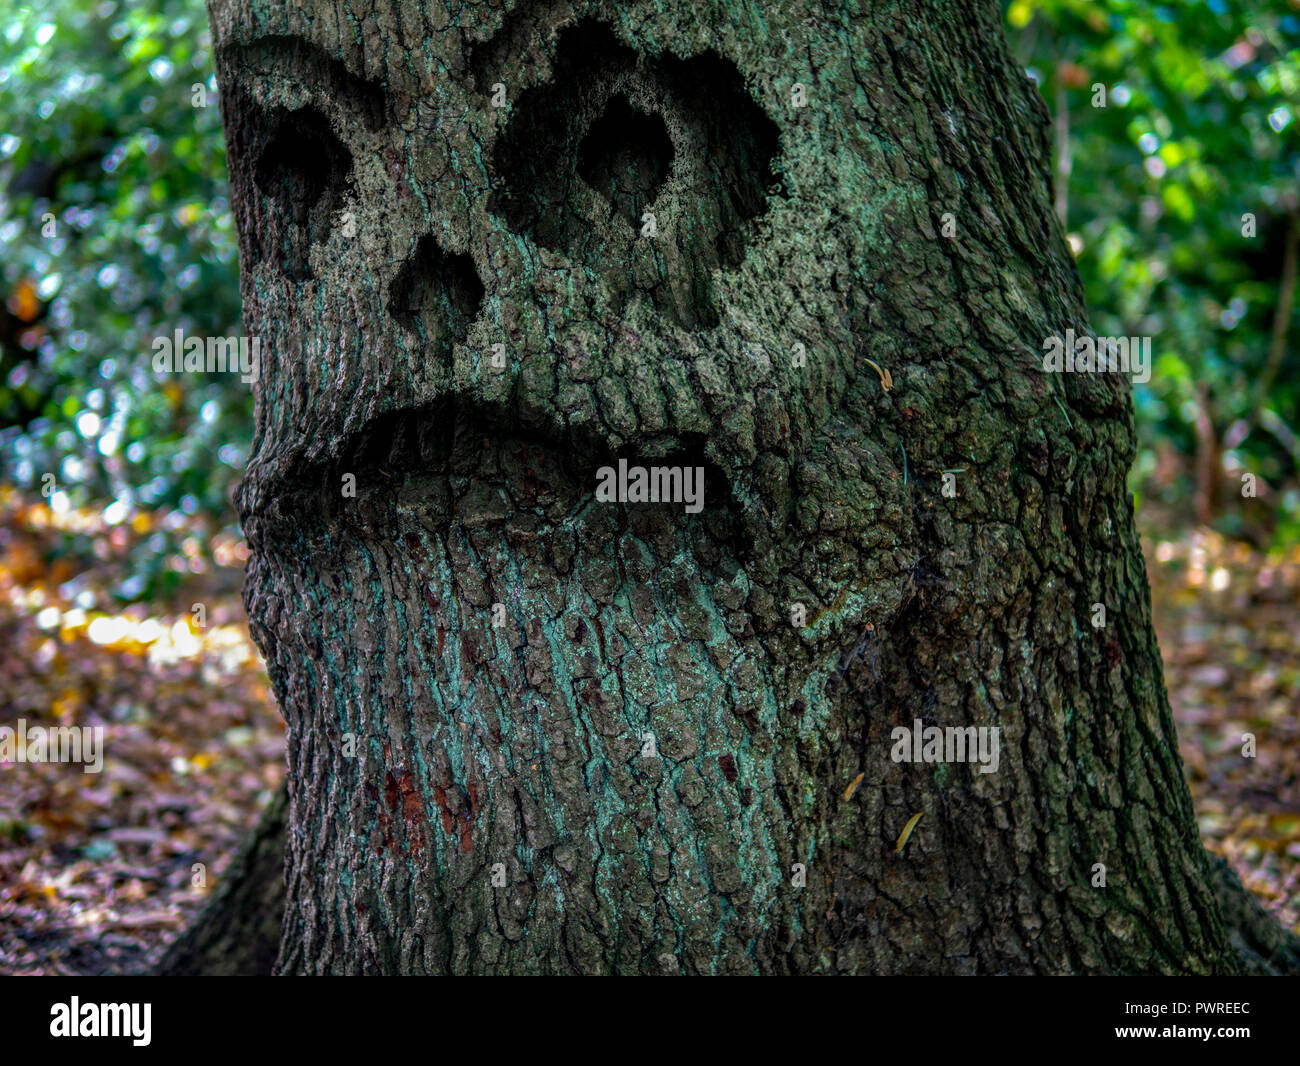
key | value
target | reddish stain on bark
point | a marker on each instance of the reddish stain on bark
(401, 792)
(728, 765)
(457, 812)
(440, 794)
(385, 823)
(470, 656)
(412, 808)
(1113, 654)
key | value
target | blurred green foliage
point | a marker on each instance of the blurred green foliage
(105, 136)
(115, 228)
(1198, 137)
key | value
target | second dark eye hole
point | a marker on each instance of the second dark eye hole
(626, 156)
(580, 132)
(300, 172)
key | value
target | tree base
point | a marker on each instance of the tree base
(238, 933)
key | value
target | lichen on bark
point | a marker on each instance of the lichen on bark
(458, 309)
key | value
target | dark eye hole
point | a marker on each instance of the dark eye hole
(301, 173)
(602, 125)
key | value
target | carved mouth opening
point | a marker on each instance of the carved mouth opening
(459, 464)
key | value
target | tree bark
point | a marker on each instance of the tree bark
(532, 732)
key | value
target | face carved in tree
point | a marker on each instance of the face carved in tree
(504, 674)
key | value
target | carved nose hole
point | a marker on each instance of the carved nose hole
(626, 156)
(436, 297)
(301, 173)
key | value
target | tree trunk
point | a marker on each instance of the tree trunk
(811, 252)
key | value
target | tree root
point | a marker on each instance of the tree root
(1264, 948)
(238, 933)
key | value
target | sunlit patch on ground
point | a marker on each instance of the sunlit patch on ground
(97, 870)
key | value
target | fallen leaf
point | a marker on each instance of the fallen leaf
(907, 832)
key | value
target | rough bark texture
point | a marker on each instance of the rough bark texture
(396, 228)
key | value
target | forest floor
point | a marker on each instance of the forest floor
(98, 871)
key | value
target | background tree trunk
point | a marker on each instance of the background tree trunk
(529, 732)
